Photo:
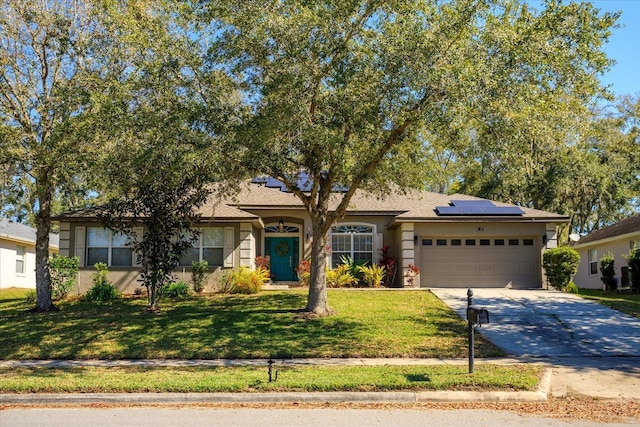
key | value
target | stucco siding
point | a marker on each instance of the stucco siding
(584, 278)
(8, 256)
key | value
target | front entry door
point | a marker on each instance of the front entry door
(283, 252)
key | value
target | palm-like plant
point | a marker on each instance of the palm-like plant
(372, 275)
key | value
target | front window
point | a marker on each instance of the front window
(103, 245)
(209, 247)
(353, 241)
(20, 250)
(593, 261)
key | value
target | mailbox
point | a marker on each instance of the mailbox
(477, 314)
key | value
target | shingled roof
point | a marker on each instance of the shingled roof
(414, 206)
(23, 233)
(620, 228)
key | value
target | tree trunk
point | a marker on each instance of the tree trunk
(153, 300)
(317, 301)
(43, 228)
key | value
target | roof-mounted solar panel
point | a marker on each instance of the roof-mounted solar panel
(304, 183)
(477, 208)
(471, 203)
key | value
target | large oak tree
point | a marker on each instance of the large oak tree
(47, 51)
(346, 91)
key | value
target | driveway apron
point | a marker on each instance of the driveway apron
(548, 323)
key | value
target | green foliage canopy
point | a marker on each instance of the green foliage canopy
(347, 91)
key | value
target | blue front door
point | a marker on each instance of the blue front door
(283, 252)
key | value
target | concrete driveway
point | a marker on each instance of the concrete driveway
(547, 323)
(594, 350)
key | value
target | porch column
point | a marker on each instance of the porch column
(407, 252)
(247, 246)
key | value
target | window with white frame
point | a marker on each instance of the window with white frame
(209, 247)
(634, 245)
(103, 245)
(20, 253)
(353, 241)
(593, 261)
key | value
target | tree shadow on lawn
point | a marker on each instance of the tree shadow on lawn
(263, 326)
(65, 334)
(218, 327)
(269, 326)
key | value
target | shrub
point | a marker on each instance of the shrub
(389, 264)
(304, 272)
(263, 262)
(247, 281)
(412, 272)
(340, 276)
(633, 260)
(560, 265)
(31, 297)
(608, 271)
(199, 274)
(178, 290)
(372, 275)
(102, 290)
(225, 285)
(572, 288)
(64, 271)
(353, 266)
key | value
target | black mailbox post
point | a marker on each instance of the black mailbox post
(475, 316)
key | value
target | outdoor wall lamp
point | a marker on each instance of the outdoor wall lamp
(281, 226)
(309, 234)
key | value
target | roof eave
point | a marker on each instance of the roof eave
(451, 218)
(596, 242)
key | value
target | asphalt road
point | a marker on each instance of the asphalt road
(247, 417)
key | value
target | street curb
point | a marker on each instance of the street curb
(285, 397)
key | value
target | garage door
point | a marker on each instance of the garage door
(473, 262)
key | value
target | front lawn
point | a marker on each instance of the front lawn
(266, 325)
(255, 379)
(623, 301)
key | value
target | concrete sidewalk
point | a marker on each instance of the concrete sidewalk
(538, 395)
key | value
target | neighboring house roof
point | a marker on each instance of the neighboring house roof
(23, 233)
(414, 206)
(620, 228)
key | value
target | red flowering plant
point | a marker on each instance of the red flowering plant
(304, 272)
(389, 264)
(263, 263)
(412, 272)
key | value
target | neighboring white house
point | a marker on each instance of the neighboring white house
(618, 239)
(18, 254)
(455, 240)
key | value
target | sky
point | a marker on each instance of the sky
(623, 46)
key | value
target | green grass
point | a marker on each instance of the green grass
(255, 379)
(624, 301)
(266, 325)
